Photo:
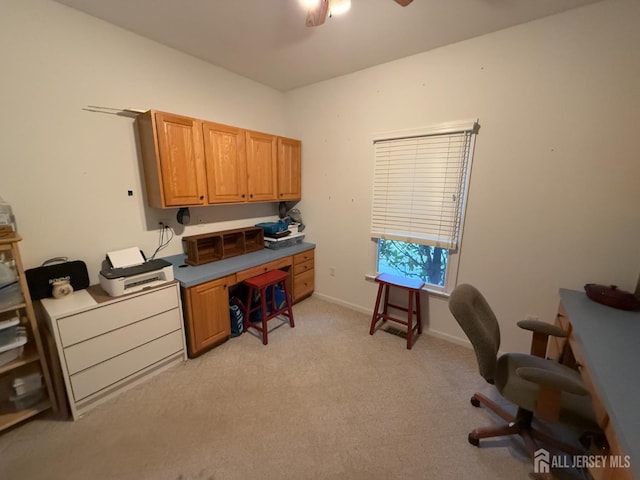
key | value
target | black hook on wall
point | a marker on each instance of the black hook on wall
(183, 217)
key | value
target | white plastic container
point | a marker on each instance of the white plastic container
(28, 400)
(8, 335)
(11, 355)
(6, 215)
(284, 242)
(11, 351)
(27, 384)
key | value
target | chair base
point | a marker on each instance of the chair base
(519, 424)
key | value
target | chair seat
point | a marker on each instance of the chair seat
(574, 409)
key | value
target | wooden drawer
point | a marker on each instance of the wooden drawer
(99, 349)
(299, 268)
(304, 257)
(265, 267)
(303, 284)
(557, 349)
(601, 414)
(79, 327)
(107, 373)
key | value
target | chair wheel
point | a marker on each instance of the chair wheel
(475, 402)
(473, 440)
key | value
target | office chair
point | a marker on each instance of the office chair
(539, 387)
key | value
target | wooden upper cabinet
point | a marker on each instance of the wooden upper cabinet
(226, 163)
(289, 169)
(262, 174)
(173, 160)
(190, 162)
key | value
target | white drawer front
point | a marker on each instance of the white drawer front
(98, 349)
(107, 373)
(84, 325)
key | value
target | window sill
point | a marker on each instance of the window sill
(435, 293)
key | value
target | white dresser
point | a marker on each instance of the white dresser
(106, 345)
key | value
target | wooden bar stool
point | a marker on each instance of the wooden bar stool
(413, 286)
(268, 308)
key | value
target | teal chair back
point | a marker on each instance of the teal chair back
(480, 325)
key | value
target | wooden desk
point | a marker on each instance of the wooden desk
(605, 343)
(205, 288)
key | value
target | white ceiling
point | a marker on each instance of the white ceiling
(267, 40)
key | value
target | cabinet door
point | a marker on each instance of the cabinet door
(226, 163)
(262, 175)
(207, 312)
(182, 174)
(289, 169)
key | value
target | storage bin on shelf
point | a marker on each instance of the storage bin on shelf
(28, 399)
(27, 384)
(13, 348)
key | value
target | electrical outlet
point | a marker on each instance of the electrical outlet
(528, 316)
(332, 271)
(163, 221)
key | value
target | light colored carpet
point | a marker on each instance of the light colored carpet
(324, 400)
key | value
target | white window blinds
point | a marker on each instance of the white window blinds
(419, 185)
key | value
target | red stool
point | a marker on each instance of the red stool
(267, 307)
(413, 286)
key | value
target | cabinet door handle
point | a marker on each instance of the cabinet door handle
(243, 195)
(251, 195)
(201, 197)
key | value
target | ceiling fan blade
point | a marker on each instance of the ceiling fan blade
(404, 3)
(318, 14)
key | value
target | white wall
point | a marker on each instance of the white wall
(66, 171)
(554, 197)
(554, 200)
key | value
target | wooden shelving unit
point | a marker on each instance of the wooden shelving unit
(253, 239)
(210, 247)
(32, 358)
(233, 244)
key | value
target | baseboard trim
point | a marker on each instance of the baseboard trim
(342, 303)
(464, 342)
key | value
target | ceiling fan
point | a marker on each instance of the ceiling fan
(320, 9)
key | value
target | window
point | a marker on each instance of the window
(420, 185)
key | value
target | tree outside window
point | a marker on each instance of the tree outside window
(412, 260)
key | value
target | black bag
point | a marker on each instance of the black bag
(40, 279)
(236, 316)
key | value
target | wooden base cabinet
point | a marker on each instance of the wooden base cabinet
(207, 314)
(206, 305)
(303, 275)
